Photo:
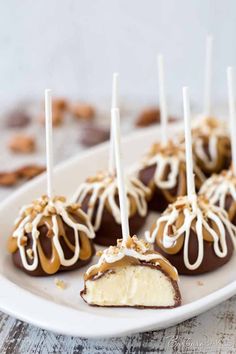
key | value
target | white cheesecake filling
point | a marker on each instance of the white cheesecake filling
(131, 286)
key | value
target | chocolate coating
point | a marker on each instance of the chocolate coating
(45, 242)
(210, 260)
(110, 231)
(230, 208)
(17, 118)
(158, 200)
(223, 161)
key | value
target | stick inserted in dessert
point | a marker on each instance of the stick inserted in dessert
(163, 169)
(51, 235)
(221, 189)
(211, 142)
(130, 274)
(98, 196)
(194, 235)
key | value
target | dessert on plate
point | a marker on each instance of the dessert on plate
(130, 274)
(194, 235)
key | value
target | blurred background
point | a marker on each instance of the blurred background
(74, 46)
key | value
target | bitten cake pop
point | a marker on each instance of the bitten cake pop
(211, 143)
(130, 274)
(163, 169)
(98, 197)
(221, 189)
(51, 235)
(194, 235)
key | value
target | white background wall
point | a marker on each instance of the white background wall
(73, 46)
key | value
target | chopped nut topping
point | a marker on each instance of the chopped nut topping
(30, 253)
(28, 227)
(75, 206)
(38, 208)
(23, 241)
(51, 209)
(60, 199)
(50, 233)
(99, 253)
(28, 211)
(60, 284)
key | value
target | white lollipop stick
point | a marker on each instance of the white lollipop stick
(120, 175)
(208, 76)
(232, 113)
(188, 144)
(48, 131)
(163, 106)
(114, 104)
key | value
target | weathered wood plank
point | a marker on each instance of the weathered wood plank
(211, 332)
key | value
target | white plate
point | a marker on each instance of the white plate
(40, 302)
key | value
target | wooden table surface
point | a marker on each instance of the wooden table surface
(211, 332)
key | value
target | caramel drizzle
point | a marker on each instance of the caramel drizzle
(170, 157)
(62, 213)
(209, 222)
(215, 133)
(102, 192)
(122, 256)
(218, 187)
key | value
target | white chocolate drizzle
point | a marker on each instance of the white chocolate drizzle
(218, 187)
(31, 216)
(138, 249)
(213, 129)
(196, 212)
(102, 190)
(170, 157)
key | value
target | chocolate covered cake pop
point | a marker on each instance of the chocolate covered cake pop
(51, 235)
(163, 170)
(221, 189)
(211, 144)
(132, 275)
(98, 197)
(195, 236)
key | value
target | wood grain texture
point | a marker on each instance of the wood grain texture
(211, 332)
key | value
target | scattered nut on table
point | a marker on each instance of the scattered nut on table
(30, 171)
(151, 116)
(82, 111)
(22, 144)
(60, 284)
(148, 117)
(60, 104)
(92, 134)
(11, 178)
(57, 117)
(8, 179)
(17, 118)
